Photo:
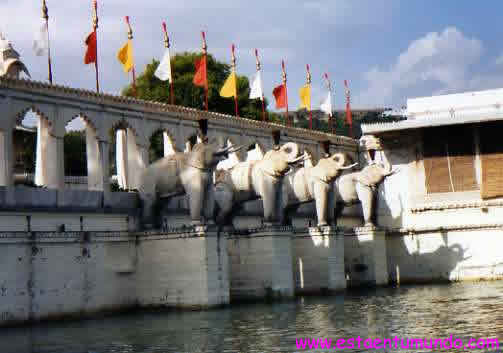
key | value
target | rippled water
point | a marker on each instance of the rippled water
(463, 310)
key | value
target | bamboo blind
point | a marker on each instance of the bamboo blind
(491, 148)
(449, 159)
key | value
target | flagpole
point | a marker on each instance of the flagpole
(95, 27)
(130, 38)
(167, 45)
(205, 52)
(45, 16)
(330, 120)
(233, 48)
(262, 98)
(349, 119)
(283, 73)
(308, 82)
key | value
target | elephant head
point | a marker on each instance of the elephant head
(329, 168)
(373, 174)
(206, 155)
(277, 162)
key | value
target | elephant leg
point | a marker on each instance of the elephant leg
(339, 207)
(224, 200)
(366, 197)
(209, 204)
(320, 191)
(196, 198)
(270, 199)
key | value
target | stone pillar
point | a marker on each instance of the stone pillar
(94, 165)
(121, 158)
(369, 252)
(186, 269)
(54, 162)
(6, 157)
(261, 264)
(104, 152)
(137, 160)
(318, 261)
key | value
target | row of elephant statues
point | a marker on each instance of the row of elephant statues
(283, 178)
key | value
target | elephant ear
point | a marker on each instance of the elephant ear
(291, 149)
(340, 159)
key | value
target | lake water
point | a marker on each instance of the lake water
(465, 310)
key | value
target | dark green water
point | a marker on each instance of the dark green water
(463, 310)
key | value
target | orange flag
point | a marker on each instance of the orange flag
(91, 51)
(201, 77)
(280, 95)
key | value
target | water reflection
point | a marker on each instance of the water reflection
(463, 310)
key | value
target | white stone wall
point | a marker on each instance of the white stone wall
(260, 266)
(318, 262)
(183, 272)
(446, 256)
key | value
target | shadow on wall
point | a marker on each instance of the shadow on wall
(411, 258)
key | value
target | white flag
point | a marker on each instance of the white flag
(163, 71)
(326, 105)
(41, 43)
(256, 87)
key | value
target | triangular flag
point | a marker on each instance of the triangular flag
(305, 97)
(229, 88)
(256, 87)
(125, 56)
(201, 78)
(163, 71)
(41, 43)
(326, 105)
(91, 52)
(280, 95)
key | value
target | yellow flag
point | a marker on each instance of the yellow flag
(125, 56)
(229, 88)
(305, 97)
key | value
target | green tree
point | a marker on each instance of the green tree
(149, 87)
(75, 153)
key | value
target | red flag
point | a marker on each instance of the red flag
(201, 77)
(280, 95)
(91, 51)
(349, 118)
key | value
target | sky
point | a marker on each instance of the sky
(388, 50)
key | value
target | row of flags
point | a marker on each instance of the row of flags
(164, 71)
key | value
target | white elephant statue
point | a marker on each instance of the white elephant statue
(189, 173)
(314, 183)
(361, 187)
(255, 179)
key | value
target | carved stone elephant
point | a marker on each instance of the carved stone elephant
(314, 183)
(188, 173)
(256, 179)
(361, 187)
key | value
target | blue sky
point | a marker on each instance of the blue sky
(388, 49)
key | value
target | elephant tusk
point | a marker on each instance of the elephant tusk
(349, 166)
(298, 159)
(235, 149)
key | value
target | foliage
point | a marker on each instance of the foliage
(75, 153)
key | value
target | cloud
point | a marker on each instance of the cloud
(435, 63)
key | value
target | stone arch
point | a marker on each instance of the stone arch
(162, 143)
(128, 155)
(20, 115)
